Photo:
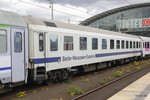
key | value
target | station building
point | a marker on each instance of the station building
(132, 19)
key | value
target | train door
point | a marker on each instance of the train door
(142, 48)
(18, 54)
(42, 46)
(40, 69)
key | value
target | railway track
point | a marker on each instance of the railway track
(99, 92)
(10, 93)
(28, 88)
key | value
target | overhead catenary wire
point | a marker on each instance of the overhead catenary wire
(53, 9)
(76, 9)
(127, 1)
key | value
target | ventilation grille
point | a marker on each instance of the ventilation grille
(50, 24)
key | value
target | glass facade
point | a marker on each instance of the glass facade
(127, 21)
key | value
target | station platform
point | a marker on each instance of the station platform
(138, 90)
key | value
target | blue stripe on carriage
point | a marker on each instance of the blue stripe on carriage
(5, 68)
(57, 59)
(116, 53)
(46, 60)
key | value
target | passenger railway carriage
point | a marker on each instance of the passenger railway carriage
(35, 50)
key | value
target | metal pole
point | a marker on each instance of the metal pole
(51, 3)
(68, 20)
(119, 23)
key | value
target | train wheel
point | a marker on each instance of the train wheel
(65, 74)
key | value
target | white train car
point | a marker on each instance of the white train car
(146, 46)
(33, 49)
(57, 48)
(13, 49)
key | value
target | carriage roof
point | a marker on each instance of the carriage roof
(10, 18)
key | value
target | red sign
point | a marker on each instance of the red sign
(146, 22)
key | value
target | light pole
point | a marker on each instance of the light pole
(51, 6)
(119, 24)
(68, 20)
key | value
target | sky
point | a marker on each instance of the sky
(73, 11)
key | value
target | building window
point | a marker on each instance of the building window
(112, 45)
(118, 44)
(122, 44)
(18, 42)
(94, 43)
(83, 43)
(53, 42)
(68, 43)
(127, 44)
(41, 42)
(104, 44)
(130, 44)
(3, 41)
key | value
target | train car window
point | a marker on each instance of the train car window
(68, 43)
(122, 44)
(134, 45)
(94, 43)
(83, 43)
(112, 45)
(127, 44)
(118, 44)
(130, 44)
(145, 45)
(41, 42)
(137, 45)
(18, 42)
(53, 42)
(104, 44)
(3, 41)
